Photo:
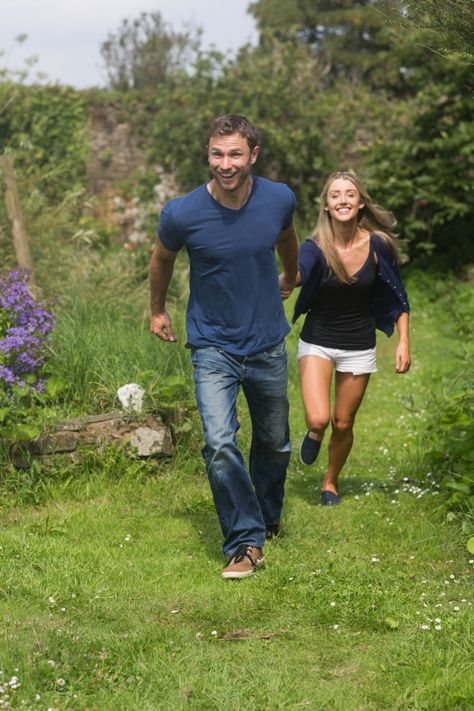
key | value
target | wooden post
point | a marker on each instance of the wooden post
(12, 202)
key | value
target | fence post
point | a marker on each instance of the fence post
(14, 211)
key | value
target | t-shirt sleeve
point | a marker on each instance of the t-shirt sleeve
(288, 217)
(167, 230)
(306, 259)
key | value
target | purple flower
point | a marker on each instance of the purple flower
(24, 332)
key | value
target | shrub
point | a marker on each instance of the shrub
(24, 332)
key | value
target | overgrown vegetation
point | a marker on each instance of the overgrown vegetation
(450, 455)
(110, 595)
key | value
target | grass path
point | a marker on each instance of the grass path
(110, 595)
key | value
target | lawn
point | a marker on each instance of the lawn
(111, 597)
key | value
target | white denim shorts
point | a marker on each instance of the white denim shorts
(355, 362)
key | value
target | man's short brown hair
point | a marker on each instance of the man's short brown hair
(233, 123)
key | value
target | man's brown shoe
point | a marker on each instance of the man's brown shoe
(243, 562)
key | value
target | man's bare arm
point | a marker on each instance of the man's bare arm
(160, 272)
(287, 248)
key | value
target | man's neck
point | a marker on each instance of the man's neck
(232, 199)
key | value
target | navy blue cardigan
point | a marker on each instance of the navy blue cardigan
(390, 299)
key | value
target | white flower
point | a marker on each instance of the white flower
(60, 682)
(456, 608)
(214, 632)
(333, 604)
(438, 627)
(335, 627)
(425, 627)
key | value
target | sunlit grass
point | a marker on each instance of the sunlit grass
(111, 596)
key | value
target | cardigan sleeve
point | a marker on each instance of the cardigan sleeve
(311, 266)
(307, 257)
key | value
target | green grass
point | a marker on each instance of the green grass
(111, 580)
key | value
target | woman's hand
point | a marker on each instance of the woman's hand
(402, 357)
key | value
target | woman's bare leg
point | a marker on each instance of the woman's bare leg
(315, 378)
(350, 390)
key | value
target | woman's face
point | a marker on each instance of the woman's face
(343, 200)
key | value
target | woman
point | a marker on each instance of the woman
(351, 285)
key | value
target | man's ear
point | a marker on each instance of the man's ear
(254, 154)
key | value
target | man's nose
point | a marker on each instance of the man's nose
(226, 162)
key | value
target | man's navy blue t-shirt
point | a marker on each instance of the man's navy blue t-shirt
(234, 300)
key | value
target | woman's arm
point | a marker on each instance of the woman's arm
(402, 355)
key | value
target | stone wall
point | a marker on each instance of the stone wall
(115, 158)
(115, 155)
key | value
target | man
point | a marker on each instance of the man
(236, 328)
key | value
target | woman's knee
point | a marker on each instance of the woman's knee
(316, 423)
(342, 425)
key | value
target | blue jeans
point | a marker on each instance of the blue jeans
(246, 501)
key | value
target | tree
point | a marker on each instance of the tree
(352, 38)
(144, 52)
(420, 166)
(451, 20)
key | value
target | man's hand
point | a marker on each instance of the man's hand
(160, 325)
(402, 357)
(286, 286)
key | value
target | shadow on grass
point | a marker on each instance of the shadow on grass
(208, 532)
(308, 486)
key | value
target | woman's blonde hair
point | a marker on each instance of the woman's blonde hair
(372, 218)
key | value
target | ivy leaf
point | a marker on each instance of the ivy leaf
(470, 545)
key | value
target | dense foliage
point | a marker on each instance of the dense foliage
(25, 328)
(362, 84)
(337, 84)
(452, 422)
(45, 128)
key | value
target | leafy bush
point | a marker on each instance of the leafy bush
(24, 330)
(452, 427)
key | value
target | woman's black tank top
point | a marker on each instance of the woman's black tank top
(342, 315)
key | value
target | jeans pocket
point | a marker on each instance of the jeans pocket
(205, 355)
(276, 351)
